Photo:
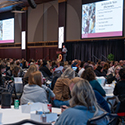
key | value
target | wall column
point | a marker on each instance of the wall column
(24, 28)
(62, 7)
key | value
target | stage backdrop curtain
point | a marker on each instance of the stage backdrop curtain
(86, 50)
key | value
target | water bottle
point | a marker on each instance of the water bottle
(43, 117)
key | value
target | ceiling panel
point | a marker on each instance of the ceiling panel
(7, 5)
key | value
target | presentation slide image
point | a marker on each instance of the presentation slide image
(88, 18)
(60, 37)
(7, 31)
(1, 30)
(102, 19)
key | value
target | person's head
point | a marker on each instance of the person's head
(117, 69)
(44, 62)
(122, 74)
(89, 61)
(31, 69)
(115, 63)
(73, 82)
(121, 63)
(16, 70)
(102, 63)
(65, 63)
(82, 64)
(70, 62)
(88, 74)
(35, 78)
(68, 73)
(99, 68)
(111, 63)
(106, 66)
(18, 62)
(38, 62)
(99, 62)
(25, 64)
(2, 68)
(63, 46)
(85, 65)
(54, 64)
(48, 65)
(11, 66)
(83, 94)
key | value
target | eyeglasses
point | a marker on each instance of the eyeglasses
(117, 69)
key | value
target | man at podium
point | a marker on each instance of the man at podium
(64, 52)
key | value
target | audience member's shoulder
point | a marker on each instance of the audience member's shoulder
(120, 83)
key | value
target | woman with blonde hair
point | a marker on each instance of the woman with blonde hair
(83, 106)
(33, 91)
(115, 75)
(61, 88)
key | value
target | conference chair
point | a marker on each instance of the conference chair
(18, 88)
(28, 121)
(114, 104)
(97, 119)
(119, 108)
(15, 90)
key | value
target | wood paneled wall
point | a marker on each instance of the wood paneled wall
(11, 53)
(35, 53)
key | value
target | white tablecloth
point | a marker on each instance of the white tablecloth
(15, 115)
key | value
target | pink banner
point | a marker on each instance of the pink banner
(6, 41)
(106, 34)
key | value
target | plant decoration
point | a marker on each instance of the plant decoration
(111, 57)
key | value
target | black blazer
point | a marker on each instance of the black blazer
(119, 88)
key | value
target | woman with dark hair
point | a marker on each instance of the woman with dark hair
(17, 72)
(106, 67)
(89, 75)
(25, 64)
(83, 106)
(45, 70)
(99, 71)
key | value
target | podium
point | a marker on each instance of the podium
(59, 55)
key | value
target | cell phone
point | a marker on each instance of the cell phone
(74, 68)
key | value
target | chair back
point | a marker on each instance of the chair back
(122, 104)
(98, 119)
(29, 121)
(57, 73)
(114, 104)
(6, 100)
(18, 84)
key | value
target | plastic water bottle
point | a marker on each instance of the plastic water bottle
(43, 117)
